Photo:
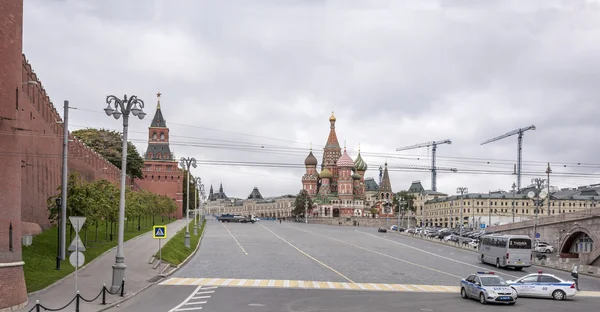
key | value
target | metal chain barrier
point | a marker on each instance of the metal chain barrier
(121, 292)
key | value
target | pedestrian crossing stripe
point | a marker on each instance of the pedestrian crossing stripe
(159, 231)
(298, 284)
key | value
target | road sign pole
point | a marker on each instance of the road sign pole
(159, 257)
(77, 261)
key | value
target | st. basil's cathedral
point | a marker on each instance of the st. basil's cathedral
(339, 190)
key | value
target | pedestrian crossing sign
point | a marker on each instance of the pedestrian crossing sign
(159, 231)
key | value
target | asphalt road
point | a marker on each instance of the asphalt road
(269, 254)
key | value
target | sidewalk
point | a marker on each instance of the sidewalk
(138, 252)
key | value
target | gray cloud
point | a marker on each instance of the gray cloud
(396, 73)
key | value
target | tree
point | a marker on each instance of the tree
(192, 191)
(299, 204)
(409, 201)
(109, 144)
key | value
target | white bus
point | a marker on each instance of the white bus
(506, 251)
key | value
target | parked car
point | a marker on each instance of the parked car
(382, 230)
(544, 248)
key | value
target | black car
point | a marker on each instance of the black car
(382, 230)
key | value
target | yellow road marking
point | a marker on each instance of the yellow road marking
(235, 239)
(379, 253)
(295, 284)
(309, 256)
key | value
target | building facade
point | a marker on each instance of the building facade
(255, 204)
(340, 189)
(498, 208)
(162, 174)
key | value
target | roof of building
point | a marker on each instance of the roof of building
(359, 163)
(345, 160)
(255, 194)
(325, 173)
(386, 185)
(311, 160)
(158, 121)
(416, 187)
(356, 176)
(156, 148)
(371, 185)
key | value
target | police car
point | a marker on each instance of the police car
(543, 285)
(488, 288)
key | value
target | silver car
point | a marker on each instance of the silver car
(488, 288)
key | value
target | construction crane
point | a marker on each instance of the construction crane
(519, 148)
(433, 169)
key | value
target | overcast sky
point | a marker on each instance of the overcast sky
(259, 79)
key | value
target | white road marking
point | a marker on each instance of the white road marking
(177, 308)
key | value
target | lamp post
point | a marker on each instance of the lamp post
(58, 247)
(123, 107)
(306, 211)
(197, 183)
(186, 163)
(462, 191)
(513, 201)
(538, 197)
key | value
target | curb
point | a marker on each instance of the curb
(190, 256)
(474, 251)
(118, 302)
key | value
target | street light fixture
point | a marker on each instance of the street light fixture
(124, 107)
(186, 163)
(58, 248)
(197, 183)
(514, 186)
(462, 191)
(538, 197)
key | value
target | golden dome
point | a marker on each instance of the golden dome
(332, 118)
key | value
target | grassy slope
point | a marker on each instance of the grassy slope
(40, 257)
(174, 252)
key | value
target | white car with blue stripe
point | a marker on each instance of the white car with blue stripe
(542, 285)
(488, 288)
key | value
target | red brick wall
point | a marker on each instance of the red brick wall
(160, 180)
(12, 281)
(41, 152)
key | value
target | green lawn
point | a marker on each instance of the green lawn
(175, 252)
(40, 257)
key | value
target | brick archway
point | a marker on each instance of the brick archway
(567, 241)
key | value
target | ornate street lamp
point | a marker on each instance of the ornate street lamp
(186, 163)
(122, 107)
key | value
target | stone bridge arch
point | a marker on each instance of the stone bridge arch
(574, 233)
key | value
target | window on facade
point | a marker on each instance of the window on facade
(162, 136)
(154, 136)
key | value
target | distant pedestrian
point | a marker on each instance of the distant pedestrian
(279, 221)
(575, 275)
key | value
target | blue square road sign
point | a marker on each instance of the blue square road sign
(159, 231)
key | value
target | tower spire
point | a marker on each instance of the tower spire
(359, 148)
(158, 102)
(311, 146)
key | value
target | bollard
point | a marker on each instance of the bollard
(122, 287)
(10, 237)
(37, 306)
(77, 302)
(104, 294)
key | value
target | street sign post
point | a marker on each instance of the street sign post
(482, 225)
(159, 232)
(77, 258)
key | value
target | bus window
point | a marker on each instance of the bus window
(519, 243)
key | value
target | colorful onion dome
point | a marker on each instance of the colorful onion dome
(360, 164)
(345, 160)
(326, 174)
(332, 118)
(310, 160)
(356, 176)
